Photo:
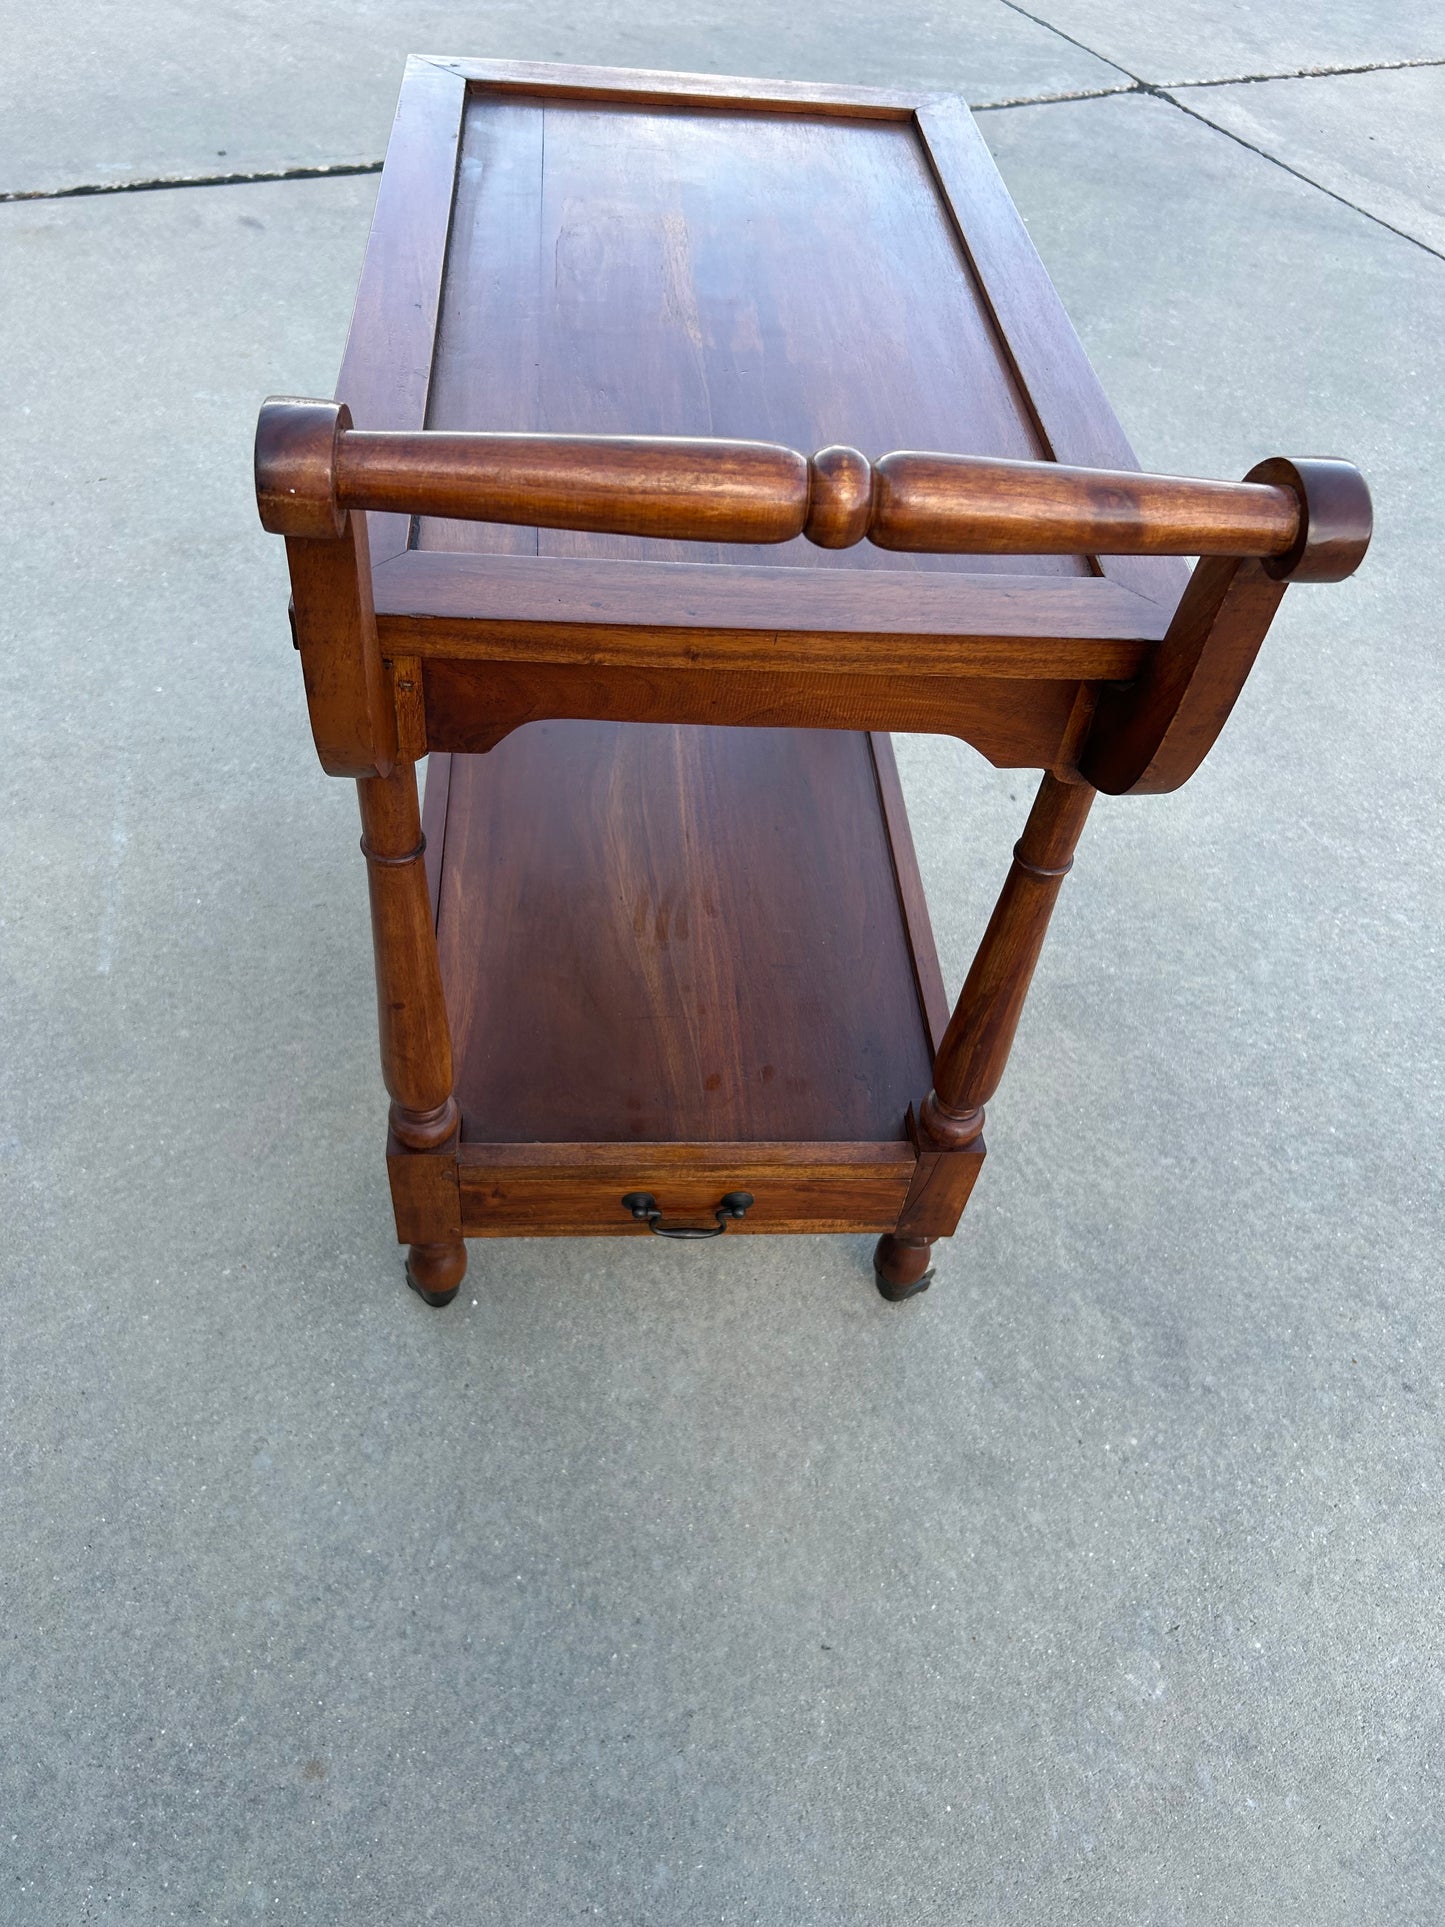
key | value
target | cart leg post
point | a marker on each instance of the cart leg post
(416, 1046)
(975, 1048)
(974, 1052)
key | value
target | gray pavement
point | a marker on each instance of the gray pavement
(1372, 138)
(145, 92)
(1103, 1584)
(1214, 40)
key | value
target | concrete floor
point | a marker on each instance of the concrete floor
(1102, 1584)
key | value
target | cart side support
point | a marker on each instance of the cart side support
(353, 719)
(1151, 735)
(1148, 735)
(972, 1057)
(416, 1045)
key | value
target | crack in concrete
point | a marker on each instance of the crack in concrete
(1168, 94)
(1130, 83)
(1125, 86)
(334, 170)
(1303, 73)
(1298, 173)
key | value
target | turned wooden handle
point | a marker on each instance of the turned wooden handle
(311, 469)
(960, 505)
(608, 484)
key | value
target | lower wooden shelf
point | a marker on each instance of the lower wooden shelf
(686, 961)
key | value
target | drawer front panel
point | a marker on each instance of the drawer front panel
(517, 1200)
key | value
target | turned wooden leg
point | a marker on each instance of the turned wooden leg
(974, 1051)
(435, 1272)
(416, 1048)
(903, 1266)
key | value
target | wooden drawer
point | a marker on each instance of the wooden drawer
(577, 1190)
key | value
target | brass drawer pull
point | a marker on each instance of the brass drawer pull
(644, 1208)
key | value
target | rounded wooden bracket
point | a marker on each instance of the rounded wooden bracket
(298, 455)
(1335, 518)
(296, 446)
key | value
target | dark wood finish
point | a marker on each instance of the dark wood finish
(424, 1192)
(409, 705)
(942, 1183)
(1153, 735)
(682, 940)
(353, 722)
(386, 370)
(333, 618)
(974, 1052)
(839, 511)
(416, 1052)
(646, 86)
(968, 507)
(471, 706)
(729, 491)
(741, 274)
(577, 1189)
(296, 465)
(975, 1047)
(1336, 518)
(624, 484)
(918, 928)
(675, 615)
(655, 935)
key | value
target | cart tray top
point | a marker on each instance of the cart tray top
(560, 250)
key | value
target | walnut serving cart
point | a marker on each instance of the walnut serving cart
(656, 959)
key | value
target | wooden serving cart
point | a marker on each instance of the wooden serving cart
(661, 960)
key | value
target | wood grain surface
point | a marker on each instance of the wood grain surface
(571, 1189)
(386, 369)
(885, 620)
(471, 706)
(661, 270)
(659, 934)
(911, 501)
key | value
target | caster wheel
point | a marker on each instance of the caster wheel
(895, 1294)
(901, 1267)
(435, 1298)
(435, 1272)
